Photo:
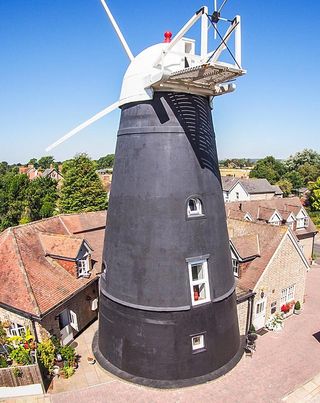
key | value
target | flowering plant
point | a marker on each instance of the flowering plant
(286, 307)
(275, 322)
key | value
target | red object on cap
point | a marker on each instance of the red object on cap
(167, 37)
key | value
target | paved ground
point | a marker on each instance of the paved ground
(317, 248)
(285, 362)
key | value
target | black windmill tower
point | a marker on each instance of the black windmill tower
(168, 312)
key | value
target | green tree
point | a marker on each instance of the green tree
(268, 168)
(41, 197)
(302, 157)
(12, 198)
(105, 162)
(295, 178)
(34, 162)
(309, 172)
(4, 167)
(286, 186)
(45, 162)
(314, 197)
(81, 189)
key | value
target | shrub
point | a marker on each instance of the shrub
(297, 306)
(68, 371)
(21, 356)
(46, 353)
(68, 354)
(3, 362)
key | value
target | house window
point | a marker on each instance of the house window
(237, 196)
(300, 222)
(306, 222)
(199, 283)
(194, 207)
(287, 295)
(83, 268)
(197, 342)
(16, 330)
(273, 307)
(235, 267)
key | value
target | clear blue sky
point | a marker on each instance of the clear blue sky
(61, 63)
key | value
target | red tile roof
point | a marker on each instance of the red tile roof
(269, 238)
(263, 210)
(60, 245)
(38, 282)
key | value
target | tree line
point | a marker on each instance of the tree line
(299, 170)
(23, 200)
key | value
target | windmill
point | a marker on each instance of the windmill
(167, 311)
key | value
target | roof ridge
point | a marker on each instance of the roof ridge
(64, 224)
(25, 275)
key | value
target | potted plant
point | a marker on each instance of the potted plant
(91, 360)
(297, 308)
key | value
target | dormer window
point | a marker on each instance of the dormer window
(83, 267)
(194, 207)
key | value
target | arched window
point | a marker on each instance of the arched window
(194, 207)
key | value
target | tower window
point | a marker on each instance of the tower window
(199, 282)
(194, 207)
(198, 343)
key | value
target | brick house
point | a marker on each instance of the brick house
(278, 211)
(268, 263)
(49, 275)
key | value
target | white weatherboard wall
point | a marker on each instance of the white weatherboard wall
(243, 195)
(26, 390)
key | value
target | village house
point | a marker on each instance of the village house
(239, 189)
(279, 211)
(49, 272)
(270, 270)
(34, 173)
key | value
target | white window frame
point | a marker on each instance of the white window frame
(16, 329)
(83, 267)
(287, 294)
(198, 347)
(204, 281)
(300, 222)
(198, 204)
(235, 267)
(73, 320)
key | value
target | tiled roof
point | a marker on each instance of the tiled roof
(228, 182)
(251, 186)
(277, 190)
(60, 245)
(38, 282)
(259, 210)
(269, 238)
(246, 246)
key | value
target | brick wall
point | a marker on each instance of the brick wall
(242, 309)
(15, 318)
(80, 304)
(284, 270)
(307, 245)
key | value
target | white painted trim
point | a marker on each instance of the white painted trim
(204, 280)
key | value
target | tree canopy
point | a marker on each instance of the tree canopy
(82, 188)
(105, 162)
(268, 168)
